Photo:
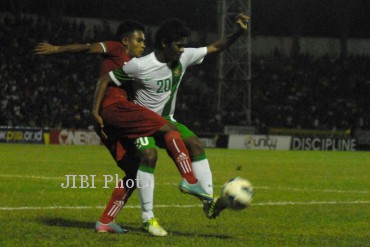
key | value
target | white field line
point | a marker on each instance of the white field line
(216, 186)
(185, 206)
(313, 190)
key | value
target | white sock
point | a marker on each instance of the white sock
(145, 186)
(203, 173)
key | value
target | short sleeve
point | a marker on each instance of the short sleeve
(127, 73)
(192, 56)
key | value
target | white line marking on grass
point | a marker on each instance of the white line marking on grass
(30, 177)
(185, 206)
(293, 189)
(313, 190)
(309, 203)
(216, 186)
(88, 207)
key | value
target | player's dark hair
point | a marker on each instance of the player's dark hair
(169, 31)
(126, 28)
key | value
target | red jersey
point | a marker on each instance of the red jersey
(123, 118)
(114, 57)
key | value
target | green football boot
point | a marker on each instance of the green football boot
(195, 190)
(154, 228)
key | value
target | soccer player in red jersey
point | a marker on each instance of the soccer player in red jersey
(123, 118)
(156, 80)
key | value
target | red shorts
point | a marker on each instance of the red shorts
(128, 120)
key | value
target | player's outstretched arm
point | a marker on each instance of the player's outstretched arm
(100, 89)
(45, 48)
(242, 21)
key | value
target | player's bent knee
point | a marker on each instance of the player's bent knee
(149, 157)
(194, 145)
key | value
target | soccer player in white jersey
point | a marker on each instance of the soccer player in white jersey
(137, 120)
(156, 79)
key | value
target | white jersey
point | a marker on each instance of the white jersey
(155, 84)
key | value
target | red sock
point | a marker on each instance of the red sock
(117, 201)
(180, 155)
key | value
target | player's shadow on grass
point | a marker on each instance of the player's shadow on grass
(191, 234)
(60, 222)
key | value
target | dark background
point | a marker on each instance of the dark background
(327, 18)
(293, 91)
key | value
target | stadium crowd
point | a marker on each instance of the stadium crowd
(288, 92)
(312, 93)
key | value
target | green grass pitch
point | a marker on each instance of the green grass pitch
(301, 199)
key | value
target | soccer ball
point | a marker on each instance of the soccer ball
(237, 193)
